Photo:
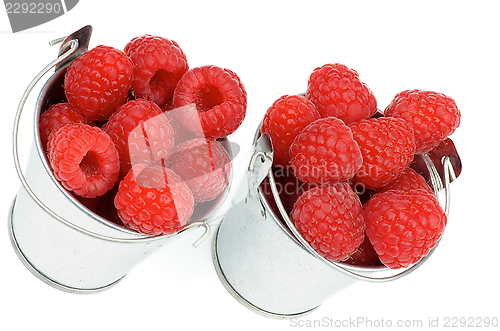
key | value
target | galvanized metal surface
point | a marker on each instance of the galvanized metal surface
(266, 265)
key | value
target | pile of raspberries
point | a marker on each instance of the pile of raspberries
(332, 143)
(137, 138)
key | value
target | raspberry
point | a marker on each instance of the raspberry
(214, 101)
(159, 64)
(153, 200)
(57, 116)
(387, 146)
(325, 152)
(434, 116)
(140, 132)
(336, 90)
(330, 219)
(205, 167)
(408, 180)
(403, 226)
(364, 256)
(98, 81)
(446, 148)
(84, 159)
(284, 120)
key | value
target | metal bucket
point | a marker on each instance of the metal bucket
(267, 266)
(55, 236)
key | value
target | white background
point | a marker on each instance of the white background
(445, 46)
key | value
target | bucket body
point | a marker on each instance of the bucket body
(269, 272)
(266, 269)
(63, 256)
(263, 264)
(62, 242)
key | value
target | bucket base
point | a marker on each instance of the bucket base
(40, 275)
(238, 297)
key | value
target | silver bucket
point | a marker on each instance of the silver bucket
(58, 239)
(264, 262)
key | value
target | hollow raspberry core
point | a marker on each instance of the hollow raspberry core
(159, 77)
(90, 164)
(207, 97)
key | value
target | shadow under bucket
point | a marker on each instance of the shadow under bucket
(57, 238)
(266, 265)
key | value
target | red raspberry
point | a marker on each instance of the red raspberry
(330, 219)
(387, 146)
(84, 159)
(403, 226)
(213, 99)
(408, 180)
(140, 132)
(159, 64)
(98, 81)
(204, 165)
(153, 200)
(364, 256)
(284, 120)
(434, 116)
(446, 148)
(325, 152)
(337, 91)
(57, 116)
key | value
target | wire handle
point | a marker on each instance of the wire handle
(436, 182)
(68, 49)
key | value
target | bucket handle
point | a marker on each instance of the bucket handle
(449, 175)
(68, 49)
